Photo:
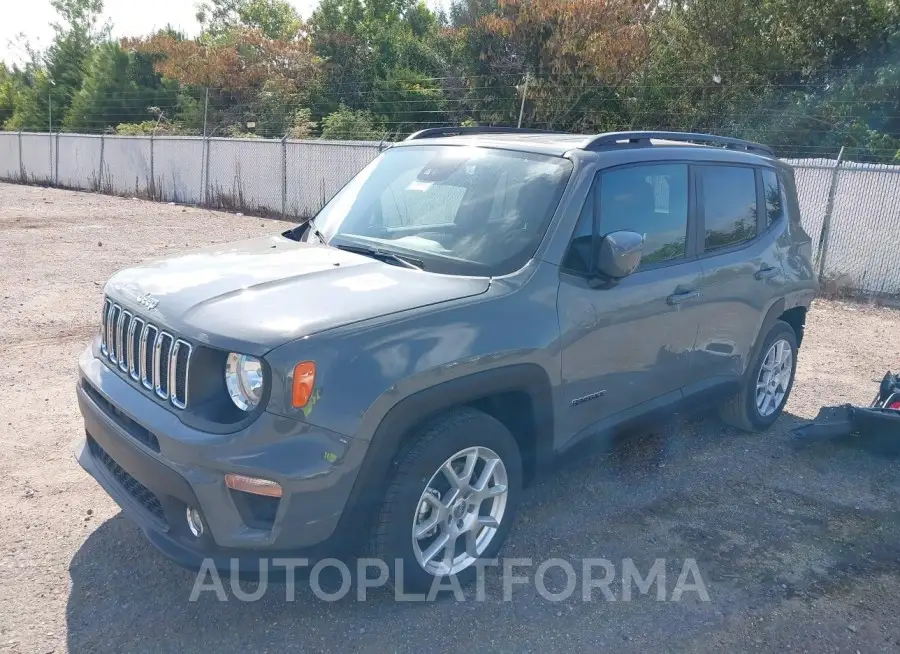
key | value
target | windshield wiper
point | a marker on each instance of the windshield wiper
(384, 255)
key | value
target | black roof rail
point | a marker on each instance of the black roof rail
(613, 139)
(440, 132)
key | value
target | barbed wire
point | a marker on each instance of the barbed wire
(793, 116)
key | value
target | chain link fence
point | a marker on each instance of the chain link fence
(291, 178)
(851, 210)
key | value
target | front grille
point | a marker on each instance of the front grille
(132, 486)
(149, 355)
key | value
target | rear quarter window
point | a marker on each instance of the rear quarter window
(775, 198)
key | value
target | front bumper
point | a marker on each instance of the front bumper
(154, 467)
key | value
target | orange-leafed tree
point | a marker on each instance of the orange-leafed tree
(244, 60)
(252, 79)
(578, 54)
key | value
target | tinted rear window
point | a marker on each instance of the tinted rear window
(728, 194)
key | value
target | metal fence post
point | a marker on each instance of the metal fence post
(21, 163)
(102, 155)
(50, 134)
(205, 174)
(56, 169)
(826, 220)
(284, 177)
(151, 187)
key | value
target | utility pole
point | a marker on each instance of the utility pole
(524, 95)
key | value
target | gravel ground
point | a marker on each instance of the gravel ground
(798, 548)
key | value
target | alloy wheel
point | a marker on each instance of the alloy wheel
(459, 512)
(774, 377)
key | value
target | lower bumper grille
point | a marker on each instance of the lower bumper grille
(132, 486)
(130, 427)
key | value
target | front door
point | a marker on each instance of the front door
(630, 347)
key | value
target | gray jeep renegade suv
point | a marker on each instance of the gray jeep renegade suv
(475, 301)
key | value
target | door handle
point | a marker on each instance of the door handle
(766, 273)
(680, 298)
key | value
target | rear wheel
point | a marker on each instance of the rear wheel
(767, 383)
(451, 501)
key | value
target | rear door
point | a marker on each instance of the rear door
(628, 348)
(740, 220)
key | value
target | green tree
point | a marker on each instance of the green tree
(381, 54)
(120, 86)
(346, 123)
(54, 81)
(276, 19)
(8, 92)
(804, 75)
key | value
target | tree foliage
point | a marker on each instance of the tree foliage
(48, 84)
(120, 86)
(346, 123)
(7, 93)
(808, 76)
(275, 19)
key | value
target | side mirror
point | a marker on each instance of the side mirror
(619, 254)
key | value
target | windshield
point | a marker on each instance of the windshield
(457, 210)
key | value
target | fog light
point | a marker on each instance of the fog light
(253, 485)
(195, 522)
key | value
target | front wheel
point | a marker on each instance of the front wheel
(451, 500)
(767, 384)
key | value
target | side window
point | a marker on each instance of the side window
(774, 197)
(651, 200)
(729, 205)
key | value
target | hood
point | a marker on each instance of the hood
(252, 296)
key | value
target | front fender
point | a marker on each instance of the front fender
(364, 370)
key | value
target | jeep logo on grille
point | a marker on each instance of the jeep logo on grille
(147, 300)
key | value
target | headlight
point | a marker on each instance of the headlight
(244, 380)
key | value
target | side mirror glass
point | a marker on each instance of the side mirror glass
(619, 254)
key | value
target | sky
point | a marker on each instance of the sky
(129, 18)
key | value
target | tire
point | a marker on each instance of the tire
(418, 467)
(742, 410)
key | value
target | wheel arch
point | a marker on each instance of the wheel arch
(772, 316)
(796, 318)
(519, 396)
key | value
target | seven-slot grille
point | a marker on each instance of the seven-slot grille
(149, 355)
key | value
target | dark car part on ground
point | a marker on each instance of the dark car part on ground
(876, 427)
